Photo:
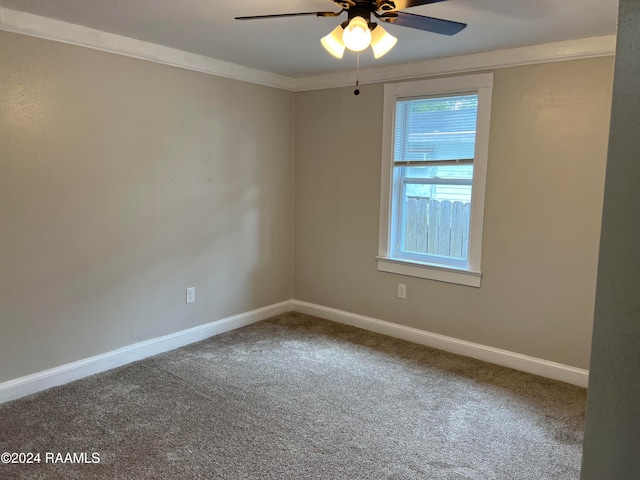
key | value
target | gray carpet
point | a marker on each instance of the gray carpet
(297, 397)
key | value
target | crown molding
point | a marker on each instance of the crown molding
(56, 30)
(544, 53)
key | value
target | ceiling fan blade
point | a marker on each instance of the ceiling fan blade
(428, 24)
(280, 15)
(402, 4)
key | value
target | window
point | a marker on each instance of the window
(434, 163)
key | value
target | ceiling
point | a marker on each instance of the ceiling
(291, 46)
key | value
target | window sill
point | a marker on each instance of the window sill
(429, 271)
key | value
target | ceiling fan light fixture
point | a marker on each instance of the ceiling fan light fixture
(333, 43)
(356, 35)
(381, 41)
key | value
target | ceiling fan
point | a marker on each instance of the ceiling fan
(357, 32)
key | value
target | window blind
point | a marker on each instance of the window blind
(435, 130)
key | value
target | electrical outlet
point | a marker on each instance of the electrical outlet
(402, 290)
(191, 295)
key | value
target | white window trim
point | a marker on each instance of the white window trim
(483, 84)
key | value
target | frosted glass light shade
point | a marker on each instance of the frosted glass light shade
(381, 41)
(356, 35)
(333, 42)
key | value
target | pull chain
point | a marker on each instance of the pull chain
(357, 90)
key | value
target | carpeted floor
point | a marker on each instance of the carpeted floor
(297, 397)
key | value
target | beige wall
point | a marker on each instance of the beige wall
(545, 182)
(122, 182)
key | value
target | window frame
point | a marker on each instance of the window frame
(471, 273)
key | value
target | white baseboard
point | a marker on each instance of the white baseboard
(505, 358)
(39, 381)
(36, 382)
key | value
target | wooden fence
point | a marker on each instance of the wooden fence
(437, 227)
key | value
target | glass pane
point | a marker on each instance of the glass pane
(464, 172)
(435, 220)
(442, 128)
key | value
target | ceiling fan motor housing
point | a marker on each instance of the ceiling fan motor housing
(345, 4)
(386, 5)
(365, 8)
(371, 5)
